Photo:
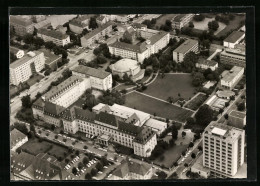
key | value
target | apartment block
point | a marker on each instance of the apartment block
(223, 149)
(189, 45)
(23, 68)
(205, 64)
(229, 79)
(235, 57)
(55, 36)
(181, 20)
(234, 38)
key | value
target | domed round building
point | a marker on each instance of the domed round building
(129, 67)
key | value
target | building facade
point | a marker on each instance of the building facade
(56, 37)
(22, 69)
(229, 79)
(17, 139)
(235, 57)
(189, 45)
(237, 119)
(234, 38)
(181, 20)
(205, 64)
(223, 149)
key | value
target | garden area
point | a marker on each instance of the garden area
(203, 25)
(172, 85)
(156, 107)
(196, 102)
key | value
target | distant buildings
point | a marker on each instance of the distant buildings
(122, 18)
(189, 45)
(130, 170)
(223, 149)
(142, 51)
(94, 35)
(102, 20)
(128, 67)
(181, 20)
(77, 25)
(17, 139)
(205, 64)
(43, 24)
(99, 79)
(23, 68)
(230, 78)
(55, 36)
(21, 26)
(237, 119)
(51, 60)
(233, 57)
(234, 38)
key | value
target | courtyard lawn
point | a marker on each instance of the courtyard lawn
(196, 102)
(203, 25)
(160, 108)
(171, 85)
(161, 20)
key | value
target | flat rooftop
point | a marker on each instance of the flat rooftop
(234, 36)
(91, 71)
(186, 46)
(230, 75)
(156, 124)
(24, 59)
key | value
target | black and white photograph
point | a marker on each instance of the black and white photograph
(128, 96)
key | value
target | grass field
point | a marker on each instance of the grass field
(203, 25)
(161, 109)
(161, 21)
(196, 102)
(171, 85)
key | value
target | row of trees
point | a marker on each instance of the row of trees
(149, 23)
(111, 97)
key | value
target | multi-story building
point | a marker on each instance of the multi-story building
(234, 38)
(181, 20)
(51, 60)
(55, 36)
(130, 170)
(101, 20)
(142, 51)
(17, 52)
(223, 149)
(230, 78)
(23, 68)
(17, 139)
(94, 35)
(233, 57)
(205, 64)
(79, 24)
(67, 92)
(21, 26)
(99, 79)
(189, 45)
(237, 119)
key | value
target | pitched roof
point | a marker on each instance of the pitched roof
(157, 37)
(52, 108)
(52, 33)
(21, 162)
(41, 24)
(130, 47)
(144, 135)
(97, 30)
(39, 103)
(91, 71)
(107, 118)
(186, 46)
(122, 170)
(234, 36)
(20, 21)
(16, 136)
(129, 128)
(78, 113)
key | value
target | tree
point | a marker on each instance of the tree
(170, 99)
(189, 61)
(84, 31)
(200, 148)
(191, 144)
(88, 176)
(183, 134)
(213, 25)
(186, 165)
(66, 73)
(226, 116)
(183, 153)
(21, 127)
(28, 39)
(104, 161)
(67, 160)
(176, 164)
(147, 23)
(190, 121)
(241, 106)
(191, 25)
(93, 171)
(99, 166)
(199, 17)
(193, 155)
(74, 170)
(101, 60)
(93, 23)
(161, 175)
(226, 104)
(38, 41)
(174, 132)
(202, 118)
(80, 165)
(85, 160)
(26, 101)
(153, 21)
(38, 95)
(49, 45)
(56, 136)
(220, 111)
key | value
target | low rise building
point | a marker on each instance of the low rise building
(79, 24)
(129, 68)
(17, 52)
(233, 57)
(226, 94)
(101, 20)
(237, 119)
(55, 36)
(21, 26)
(229, 79)
(61, 29)
(181, 20)
(22, 69)
(43, 24)
(205, 64)
(95, 35)
(157, 126)
(234, 38)
(130, 170)
(17, 139)
(51, 60)
(189, 45)
(99, 79)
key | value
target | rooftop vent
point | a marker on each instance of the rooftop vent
(31, 54)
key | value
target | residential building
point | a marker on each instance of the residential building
(142, 51)
(17, 52)
(198, 167)
(122, 18)
(99, 79)
(79, 24)
(223, 149)
(51, 60)
(127, 67)
(205, 64)
(234, 38)
(22, 69)
(67, 92)
(237, 119)
(61, 29)
(55, 36)
(181, 20)
(230, 78)
(43, 24)
(38, 18)
(189, 45)
(21, 26)
(28, 167)
(17, 139)
(95, 35)
(101, 20)
(226, 94)
(130, 170)
(233, 57)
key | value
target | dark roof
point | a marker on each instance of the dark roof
(157, 36)
(129, 128)
(52, 33)
(122, 170)
(24, 159)
(184, 47)
(144, 135)
(16, 136)
(52, 108)
(20, 21)
(234, 36)
(107, 118)
(78, 113)
(39, 103)
(130, 47)
(91, 71)
(97, 30)
(49, 57)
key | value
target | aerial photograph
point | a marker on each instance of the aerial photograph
(127, 96)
